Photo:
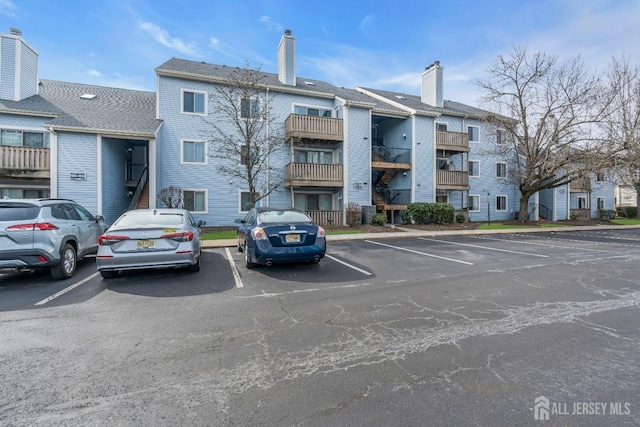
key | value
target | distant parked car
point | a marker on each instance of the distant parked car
(47, 233)
(150, 238)
(269, 235)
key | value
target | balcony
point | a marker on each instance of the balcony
(390, 158)
(24, 162)
(452, 141)
(326, 218)
(313, 175)
(314, 129)
(580, 185)
(452, 180)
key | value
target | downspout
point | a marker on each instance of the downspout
(53, 163)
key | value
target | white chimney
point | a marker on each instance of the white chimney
(287, 59)
(432, 85)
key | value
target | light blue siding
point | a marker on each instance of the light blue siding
(357, 128)
(77, 153)
(8, 73)
(114, 190)
(424, 160)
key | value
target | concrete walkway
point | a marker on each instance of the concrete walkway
(410, 232)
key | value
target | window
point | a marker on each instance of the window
(501, 203)
(193, 102)
(474, 203)
(244, 154)
(317, 157)
(18, 138)
(600, 177)
(311, 111)
(600, 203)
(245, 201)
(313, 202)
(442, 198)
(582, 202)
(501, 136)
(193, 152)
(194, 200)
(441, 127)
(249, 108)
(474, 168)
(501, 170)
(474, 133)
(442, 163)
(18, 193)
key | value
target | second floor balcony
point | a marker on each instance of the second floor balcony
(314, 129)
(390, 157)
(452, 180)
(580, 185)
(314, 175)
(452, 141)
(24, 162)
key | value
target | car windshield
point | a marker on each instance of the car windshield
(149, 219)
(282, 216)
(18, 212)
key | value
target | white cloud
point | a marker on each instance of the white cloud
(162, 37)
(94, 73)
(270, 24)
(7, 7)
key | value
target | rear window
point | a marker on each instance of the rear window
(282, 216)
(151, 220)
(18, 211)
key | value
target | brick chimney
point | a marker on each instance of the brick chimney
(432, 79)
(287, 59)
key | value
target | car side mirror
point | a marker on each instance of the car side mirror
(239, 221)
(99, 218)
(201, 223)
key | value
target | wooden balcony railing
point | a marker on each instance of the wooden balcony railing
(580, 213)
(452, 141)
(24, 161)
(452, 180)
(580, 185)
(314, 175)
(320, 129)
(326, 218)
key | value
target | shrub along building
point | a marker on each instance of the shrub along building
(114, 149)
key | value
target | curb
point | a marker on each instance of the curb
(408, 233)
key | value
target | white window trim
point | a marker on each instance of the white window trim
(506, 203)
(504, 132)
(317, 193)
(475, 161)
(206, 199)
(307, 106)
(443, 123)
(505, 170)
(261, 100)
(182, 91)
(474, 210)
(578, 202)
(445, 195)
(477, 127)
(206, 154)
(604, 202)
(240, 201)
(442, 158)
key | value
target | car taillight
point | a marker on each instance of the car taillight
(258, 234)
(187, 236)
(107, 239)
(32, 227)
(320, 231)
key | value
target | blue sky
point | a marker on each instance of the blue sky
(377, 44)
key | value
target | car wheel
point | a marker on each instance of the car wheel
(247, 259)
(110, 274)
(194, 268)
(239, 246)
(67, 265)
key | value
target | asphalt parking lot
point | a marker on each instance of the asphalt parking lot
(432, 330)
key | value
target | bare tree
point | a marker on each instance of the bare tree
(548, 111)
(171, 196)
(245, 133)
(622, 126)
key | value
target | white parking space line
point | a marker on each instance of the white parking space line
(65, 290)
(419, 253)
(484, 247)
(521, 242)
(234, 269)
(349, 265)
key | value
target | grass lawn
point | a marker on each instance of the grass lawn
(334, 232)
(500, 226)
(626, 221)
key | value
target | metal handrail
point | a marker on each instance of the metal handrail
(139, 189)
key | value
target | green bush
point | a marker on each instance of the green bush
(422, 213)
(460, 218)
(378, 219)
(631, 212)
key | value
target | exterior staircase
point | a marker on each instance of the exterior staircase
(143, 203)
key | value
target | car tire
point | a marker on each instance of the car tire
(67, 264)
(194, 268)
(110, 274)
(239, 246)
(247, 258)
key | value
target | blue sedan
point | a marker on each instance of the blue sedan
(269, 235)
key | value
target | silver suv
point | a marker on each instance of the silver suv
(47, 233)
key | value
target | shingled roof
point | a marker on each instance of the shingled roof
(112, 110)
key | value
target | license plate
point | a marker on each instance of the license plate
(146, 244)
(292, 238)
